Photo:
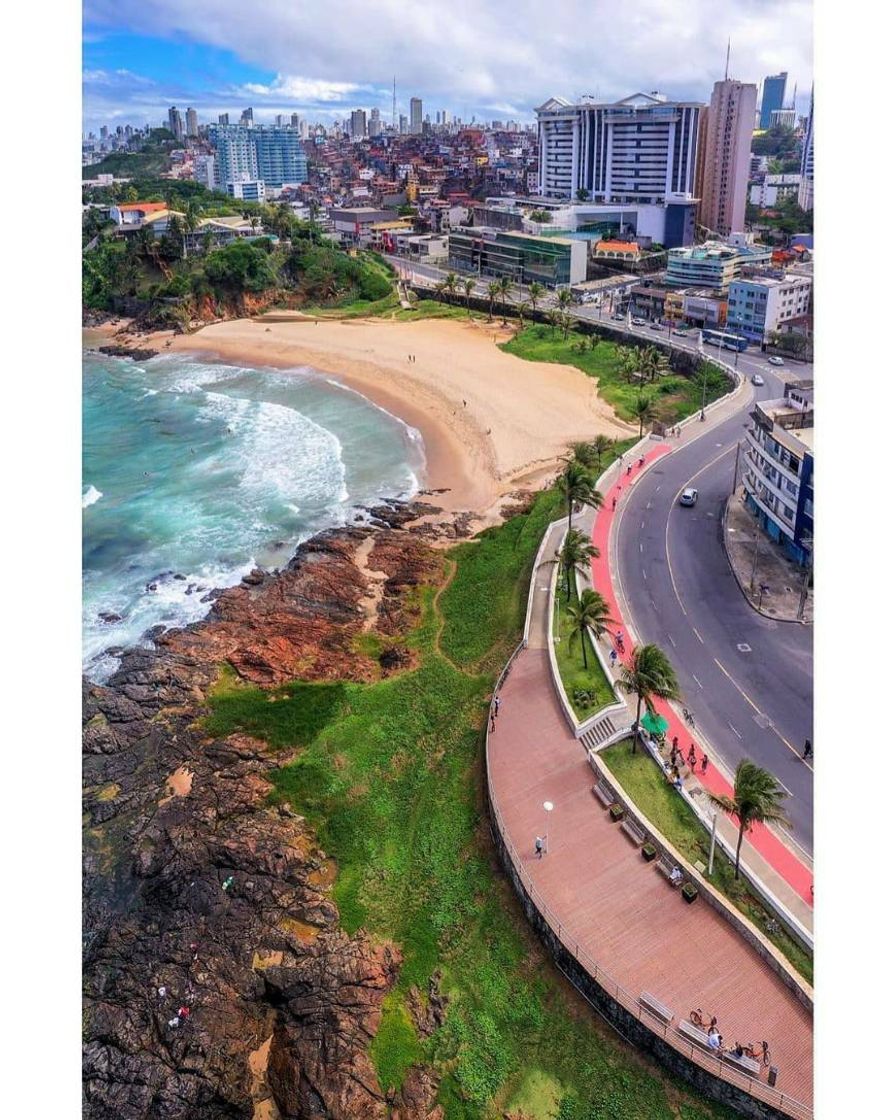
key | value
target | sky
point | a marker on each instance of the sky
(495, 59)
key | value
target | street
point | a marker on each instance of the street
(746, 679)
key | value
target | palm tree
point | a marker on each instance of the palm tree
(494, 290)
(504, 286)
(645, 410)
(535, 292)
(654, 363)
(440, 287)
(602, 445)
(566, 322)
(573, 556)
(469, 285)
(646, 676)
(589, 612)
(575, 486)
(584, 453)
(757, 800)
(553, 320)
(564, 298)
(451, 281)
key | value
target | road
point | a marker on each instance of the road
(747, 679)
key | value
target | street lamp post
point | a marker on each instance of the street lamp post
(548, 808)
(763, 590)
(712, 842)
(755, 561)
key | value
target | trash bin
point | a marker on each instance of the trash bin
(772, 1075)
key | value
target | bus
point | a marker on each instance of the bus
(728, 341)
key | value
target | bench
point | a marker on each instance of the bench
(694, 1034)
(666, 867)
(748, 1065)
(604, 795)
(634, 831)
(656, 1008)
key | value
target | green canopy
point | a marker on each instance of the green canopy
(654, 723)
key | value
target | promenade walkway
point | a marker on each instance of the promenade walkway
(612, 904)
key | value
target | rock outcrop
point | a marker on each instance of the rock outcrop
(217, 980)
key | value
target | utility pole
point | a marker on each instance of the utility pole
(736, 463)
(755, 561)
(807, 543)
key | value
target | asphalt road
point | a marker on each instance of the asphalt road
(746, 679)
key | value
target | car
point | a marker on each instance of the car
(681, 333)
(657, 327)
(639, 322)
(619, 318)
(774, 360)
(688, 497)
(757, 379)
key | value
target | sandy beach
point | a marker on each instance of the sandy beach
(491, 423)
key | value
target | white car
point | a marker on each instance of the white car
(757, 379)
(774, 360)
(681, 333)
(639, 322)
(688, 497)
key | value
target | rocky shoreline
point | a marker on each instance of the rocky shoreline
(217, 980)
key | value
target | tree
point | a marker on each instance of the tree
(535, 292)
(602, 445)
(648, 675)
(564, 298)
(553, 320)
(645, 410)
(469, 285)
(654, 363)
(494, 290)
(451, 281)
(573, 556)
(757, 800)
(575, 485)
(504, 286)
(589, 612)
(566, 323)
(582, 194)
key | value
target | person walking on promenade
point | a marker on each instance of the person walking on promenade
(807, 750)
(628, 469)
(704, 763)
(692, 757)
(539, 847)
(615, 500)
(613, 657)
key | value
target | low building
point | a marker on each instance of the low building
(525, 258)
(713, 265)
(134, 214)
(422, 246)
(648, 300)
(761, 305)
(353, 224)
(596, 291)
(778, 471)
(249, 190)
(704, 307)
(774, 189)
(216, 232)
(628, 252)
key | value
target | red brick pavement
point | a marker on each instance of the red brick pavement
(618, 908)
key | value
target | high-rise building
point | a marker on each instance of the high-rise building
(176, 123)
(773, 90)
(375, 125)
(295, 120)
(724, 170)
(806, 194)
(358, 124)
(402, 124)
(279, 156)
(235, 157)
(192, 123)
(416, 115)
(223, 118)
(104, 131)
(783, 118)
(639, 150)
(246, 118)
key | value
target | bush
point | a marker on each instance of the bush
(648, 851)
(689, 892)
(617, 812)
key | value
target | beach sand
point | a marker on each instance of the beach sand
(491, 423)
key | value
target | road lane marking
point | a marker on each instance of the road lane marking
(642, 526)
(643, 573)
(671, 639)
(640, 546)
(697, 679)
(734, 729)
(758, 711)
(696, 631)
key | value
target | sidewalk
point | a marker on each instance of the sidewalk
(773, 862)
(761, 568)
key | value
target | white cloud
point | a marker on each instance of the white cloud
(478, 56)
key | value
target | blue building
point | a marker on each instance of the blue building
(281, 158)
(779, 469)
(773, 90)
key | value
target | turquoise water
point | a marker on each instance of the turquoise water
(203, 470)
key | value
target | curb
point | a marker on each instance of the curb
(743, 590)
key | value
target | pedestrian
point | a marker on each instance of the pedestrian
(628, 469)
(465, 404)
(692, 757)
(615, 500)
(613, 657)
(674, 743)
(641, 461)
(539, 847)
(493, 723)
(704, 764)
(497, 705)
(807, 749)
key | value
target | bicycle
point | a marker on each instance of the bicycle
(688, 718)
(764, 1055)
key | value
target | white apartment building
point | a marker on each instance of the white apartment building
(760, 306)
(773, 189)
(247, 190)
(712, 265)
(642, 149)
(204, 171)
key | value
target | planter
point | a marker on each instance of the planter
(617, 812)
(689, 892)
(648, 851)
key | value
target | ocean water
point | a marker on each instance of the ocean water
(202, 471)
